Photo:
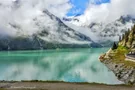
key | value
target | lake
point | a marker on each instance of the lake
(70, 65)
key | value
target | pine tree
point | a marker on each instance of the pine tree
(114, 46)
(120, 38)
(126, 36)
(133, 29)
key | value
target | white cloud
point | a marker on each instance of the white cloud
(22, 12)
(59, 6)
(94, 13)
(108, 12)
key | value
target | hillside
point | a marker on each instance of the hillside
(115, 59)
(128, 39)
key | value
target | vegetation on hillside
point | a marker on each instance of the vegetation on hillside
(119, 56)
(116, 58)
(124, 46)
(128, 39)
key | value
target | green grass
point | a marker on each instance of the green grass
(2, 89)
(119, 53)
(118, 56)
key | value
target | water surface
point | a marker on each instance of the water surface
(70, 65)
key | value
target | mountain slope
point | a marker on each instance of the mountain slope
(106, 32)
(120, 58)
(128, 39)
(47, 32)
(113, 29)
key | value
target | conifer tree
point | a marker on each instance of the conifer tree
(114, 46)
(119, 38)
(122, 36)
(133, 29)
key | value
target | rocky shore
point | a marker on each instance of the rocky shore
(123, 70)
(117, 58)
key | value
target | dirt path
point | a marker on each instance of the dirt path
(59, 86)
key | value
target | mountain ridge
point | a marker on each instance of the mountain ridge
(108, 32)
(51, 33)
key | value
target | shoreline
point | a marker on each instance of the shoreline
(40, 81)
(116, 61)
(60, 85)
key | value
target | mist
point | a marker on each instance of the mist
(16, 16)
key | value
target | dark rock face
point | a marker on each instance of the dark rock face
(37, 44)
(125, 19)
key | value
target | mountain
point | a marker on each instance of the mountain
(107, 33)
(46, 32)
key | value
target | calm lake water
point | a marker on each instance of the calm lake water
(70, 65)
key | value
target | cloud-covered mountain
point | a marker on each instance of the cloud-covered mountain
(103, 19)
(50, 32)
(106, 32)
(27, 24)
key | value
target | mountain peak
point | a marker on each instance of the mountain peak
(125, 19)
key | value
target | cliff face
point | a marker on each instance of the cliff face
(116, 61)
(126, 75)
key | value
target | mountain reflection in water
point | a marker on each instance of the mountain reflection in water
(70, 65)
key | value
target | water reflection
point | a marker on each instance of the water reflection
(79, 65)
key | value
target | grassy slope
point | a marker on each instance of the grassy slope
(118, 56)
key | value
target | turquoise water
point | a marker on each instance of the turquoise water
(70, 65)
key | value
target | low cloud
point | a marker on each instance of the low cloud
(20, 13)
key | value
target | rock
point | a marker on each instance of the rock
(123, 73)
